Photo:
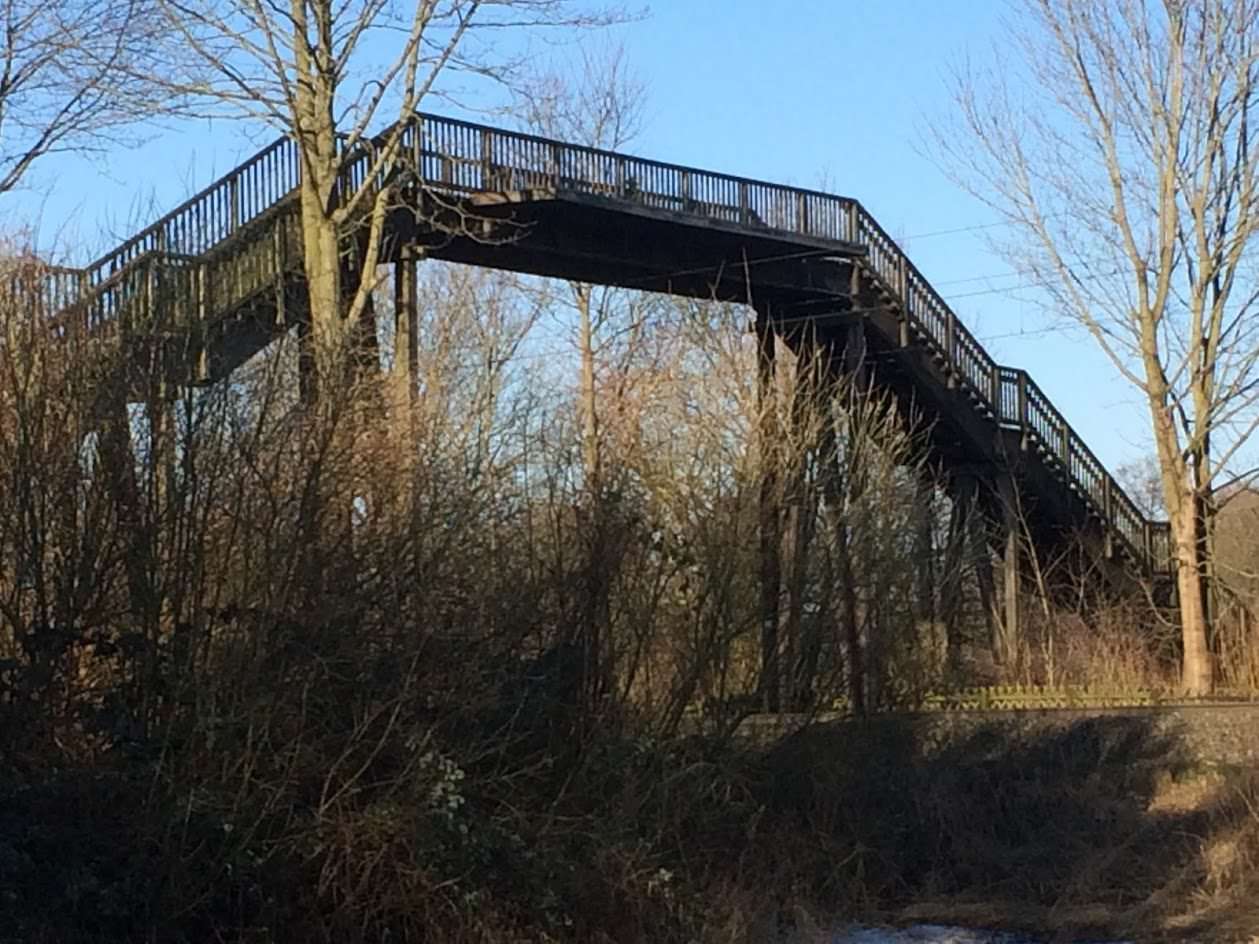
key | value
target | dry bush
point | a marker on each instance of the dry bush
(277, 671)
(1119, 648)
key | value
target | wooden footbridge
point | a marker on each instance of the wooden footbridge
(220, 277)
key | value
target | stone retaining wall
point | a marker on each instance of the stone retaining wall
(1211, 735)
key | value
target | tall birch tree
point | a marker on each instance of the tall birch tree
(1119, 140)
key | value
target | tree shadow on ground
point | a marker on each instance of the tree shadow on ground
(1099, 826)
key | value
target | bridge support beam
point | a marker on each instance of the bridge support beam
(1009, 629)
(951, 583)
(406, 338)
(770, 520)
(992, 522)
(855, 355)
(979, 536)
(804, 484)
(924, 552)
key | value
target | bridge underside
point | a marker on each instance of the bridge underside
(564, 236)
(812, 292)
(595, 239)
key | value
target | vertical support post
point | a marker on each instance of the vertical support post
(859, 676)
(279, 264)
(979, 538)
(84, 298)
(162, 431)
(487, 165)
(855, 355)
(1108, 516)
(962, 507)
(406, 329)
(924, 552)
(557, 169)
(801, 642)
(201, 365)
(1009, 628)
(405, 391)
(417, 147)
(770, 536)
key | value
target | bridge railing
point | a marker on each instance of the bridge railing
(214, 215)
(458, 157)
(39, 286)
(1012, 398)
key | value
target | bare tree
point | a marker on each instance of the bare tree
(73, 76)
(1123, 154)
(1142, 479)
(331, 75)
(598, 103)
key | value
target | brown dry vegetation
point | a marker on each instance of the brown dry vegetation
(270, 673)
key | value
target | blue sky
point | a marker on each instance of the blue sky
(808, 92)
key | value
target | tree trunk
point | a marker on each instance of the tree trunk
(1196, 674)
(321, 245)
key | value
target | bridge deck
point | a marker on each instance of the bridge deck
(220, 276)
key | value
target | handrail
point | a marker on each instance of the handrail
(213, 215)
(459, 157)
